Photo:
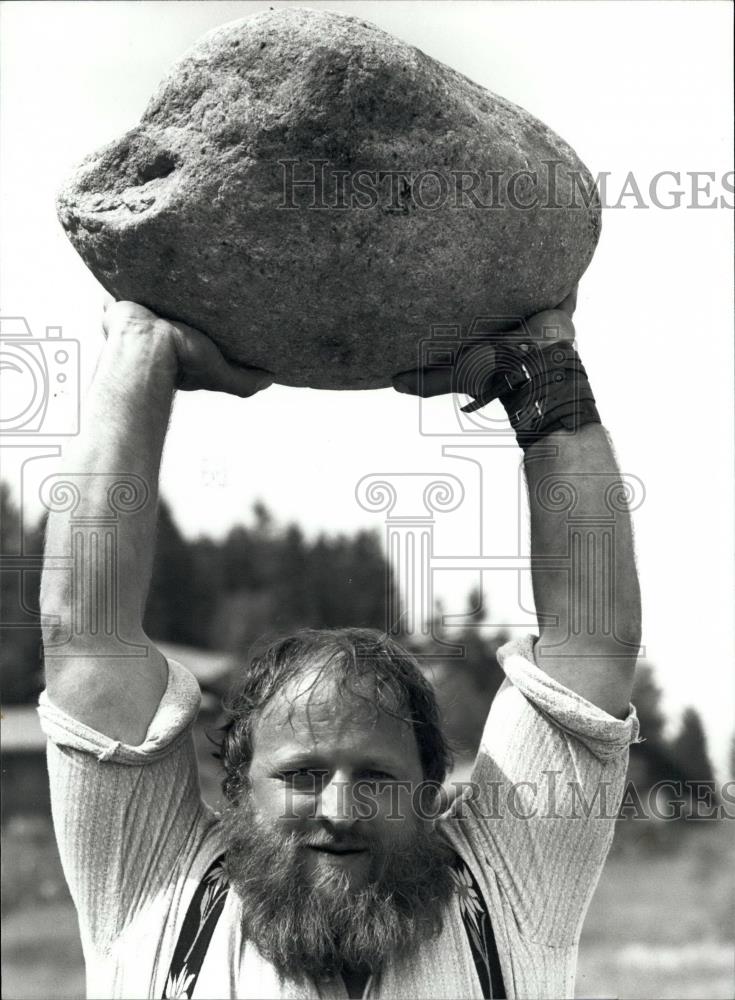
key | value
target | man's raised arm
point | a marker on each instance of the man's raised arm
(126, 417)
(583, 567)
(584, 575)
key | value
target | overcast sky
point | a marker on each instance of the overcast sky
(632, 87)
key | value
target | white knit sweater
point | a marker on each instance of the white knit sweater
(135, 840)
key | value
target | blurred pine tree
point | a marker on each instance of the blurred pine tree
(689, 748)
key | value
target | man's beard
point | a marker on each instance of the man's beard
(318, 923)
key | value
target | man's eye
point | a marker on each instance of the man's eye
(304, 778)
(376, 777)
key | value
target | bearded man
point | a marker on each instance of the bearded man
(338, 867)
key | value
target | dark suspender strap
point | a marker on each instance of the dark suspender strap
(479, 930)
(208, 902)
(196, 932)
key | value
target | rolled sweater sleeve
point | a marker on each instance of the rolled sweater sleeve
(125, 817)
(546, 788)
(601, 733)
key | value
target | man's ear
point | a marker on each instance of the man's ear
(235, 787)
(434, 800)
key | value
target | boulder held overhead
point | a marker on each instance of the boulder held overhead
(317, 196)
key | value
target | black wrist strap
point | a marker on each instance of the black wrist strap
(543, 387)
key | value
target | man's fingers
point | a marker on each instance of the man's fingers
(424, 382)
(478, 368)
(106, 303)
(552, 323)
(118, 314)
(242, 382)
(570, 302)
(473, 368)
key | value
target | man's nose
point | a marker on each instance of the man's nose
(335, 805)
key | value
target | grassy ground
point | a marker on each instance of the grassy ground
(41, 952)
(661, 921)
(660, 924)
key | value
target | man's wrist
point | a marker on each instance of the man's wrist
(147, 360)
(549, 391)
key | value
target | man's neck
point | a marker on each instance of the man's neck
(355, 980)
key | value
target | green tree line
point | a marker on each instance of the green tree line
(265, 579)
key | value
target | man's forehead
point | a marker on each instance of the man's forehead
(315, 709)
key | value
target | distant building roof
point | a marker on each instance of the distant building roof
(207, 665)
(20, 730)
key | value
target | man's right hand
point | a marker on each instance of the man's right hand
(189, 356)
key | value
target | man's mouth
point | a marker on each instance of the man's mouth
(337, 848)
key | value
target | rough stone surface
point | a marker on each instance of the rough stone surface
(185, 213)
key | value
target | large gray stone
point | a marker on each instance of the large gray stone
(189, 212)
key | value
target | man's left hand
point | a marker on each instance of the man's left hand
(475, 364)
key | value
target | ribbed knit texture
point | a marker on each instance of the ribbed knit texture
(135, 839)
